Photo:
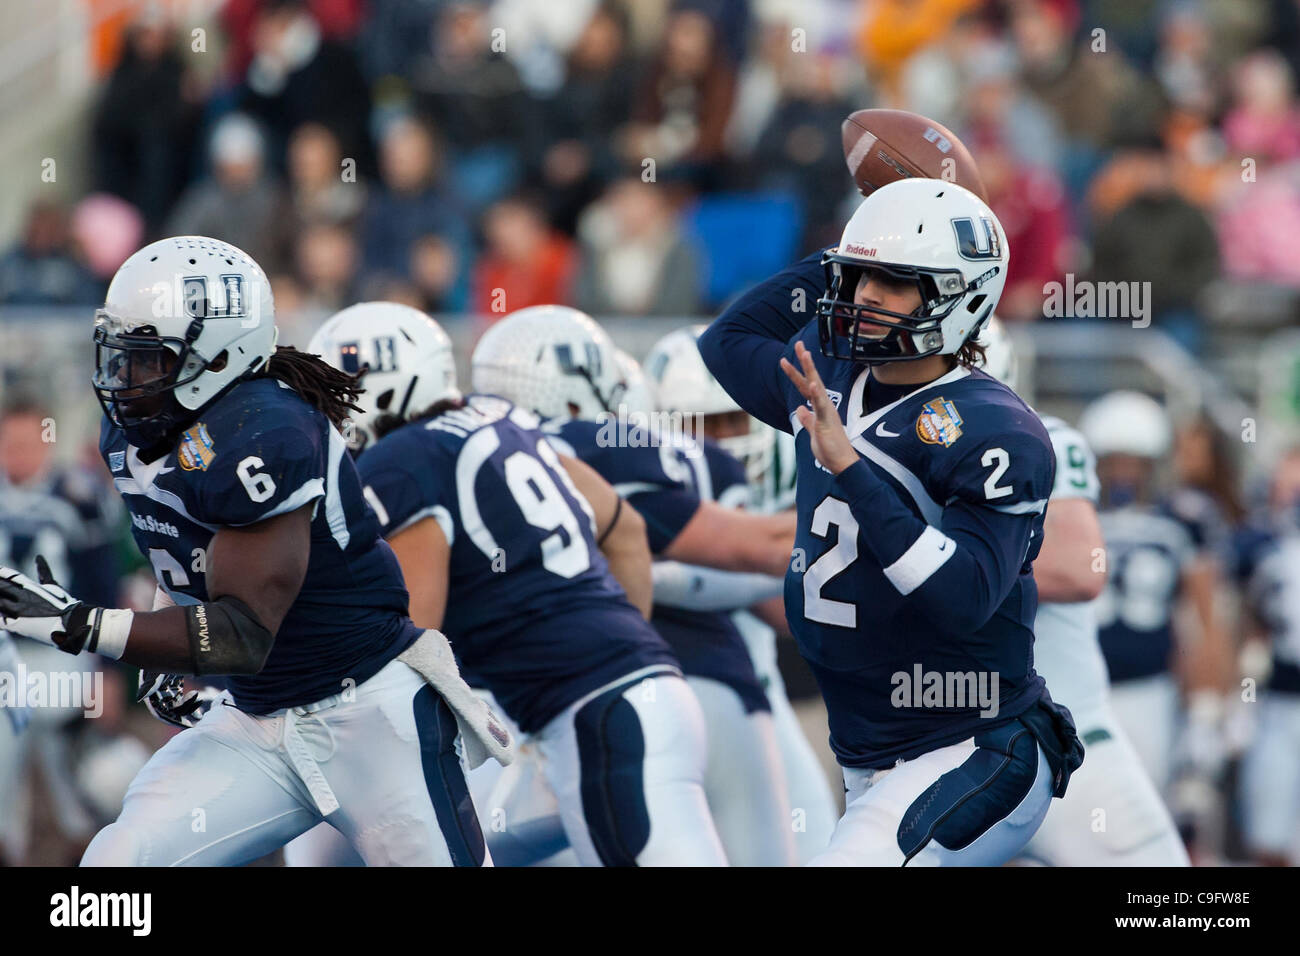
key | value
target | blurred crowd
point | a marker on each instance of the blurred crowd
(483, 156)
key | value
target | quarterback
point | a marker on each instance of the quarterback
(922, 484)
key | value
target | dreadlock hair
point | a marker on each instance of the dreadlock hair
(321, 385)
(389, 422)
(971, 354)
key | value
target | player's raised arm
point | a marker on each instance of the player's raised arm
(620, 534)
(743, 345)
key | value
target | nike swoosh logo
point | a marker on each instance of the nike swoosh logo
(944, 546)
(884, 432)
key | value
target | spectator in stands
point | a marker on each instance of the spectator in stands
(327, 260)
(106, 230)
(241, 203)
(1157, 236)
(1258, 212)
(1097, 99)
(583, 117)
(1264, 121)
(43, 269)
(144, 121)
(525, 262)
(299, 76)
(474, 96)
(412, 205)
(685, 105)
(1031, 205)
(635, 260)
(317, 184)
(800, 150)
(337, 19)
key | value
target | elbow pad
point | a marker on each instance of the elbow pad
(227, 638)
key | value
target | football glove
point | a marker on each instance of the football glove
(165, 697)
(44, 611)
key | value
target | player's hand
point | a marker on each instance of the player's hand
(43, 610)
(166, 699)
(830, 442)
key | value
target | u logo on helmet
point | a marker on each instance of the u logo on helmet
(233, 305)
(971, 244)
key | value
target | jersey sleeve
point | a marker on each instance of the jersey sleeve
(662, 490)
(744, 345)
(1076, 465)
(656, 477)
(260, 463)
(403, 484)
(729, 483)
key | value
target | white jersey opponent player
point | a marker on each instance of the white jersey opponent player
(241, 493)
(541, 579)
(559, 363)
(921, 487)
(1112, 814)
(683, 386)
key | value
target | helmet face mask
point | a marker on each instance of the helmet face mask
(841, 319)
(136, 377)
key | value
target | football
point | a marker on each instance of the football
(881, 146)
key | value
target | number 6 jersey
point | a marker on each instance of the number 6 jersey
(257, 452)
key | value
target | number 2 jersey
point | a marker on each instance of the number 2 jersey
(665, 480)
(912, 574)
(260, 451)
(533, 612)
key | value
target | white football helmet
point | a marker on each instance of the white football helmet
(406, 358)
(549, 358)
(1126, 423)
(936, 236)
(183, 320)
(1000, 358)
(683, 384)
(635, 396)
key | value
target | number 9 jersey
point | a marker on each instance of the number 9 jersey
(533, 612)
(257, 452)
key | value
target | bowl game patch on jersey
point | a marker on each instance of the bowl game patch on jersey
(195, 452)
(939, 422)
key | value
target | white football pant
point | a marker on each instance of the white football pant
(960, 805)
(381, 763)
(809, 796)
(1270, 780)
(1148, 710)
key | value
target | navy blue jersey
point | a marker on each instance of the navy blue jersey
(1147, 549)
(257, 452)
(666, 481)
(914, 565)
(1266, 567)
(533, 612)
(72, 520)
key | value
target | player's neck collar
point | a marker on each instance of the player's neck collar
(856, 422)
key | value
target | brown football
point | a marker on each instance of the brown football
(881, 146)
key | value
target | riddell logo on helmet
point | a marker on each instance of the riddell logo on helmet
(853, 249)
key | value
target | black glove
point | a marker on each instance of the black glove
(166, 698)
(44, 611)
